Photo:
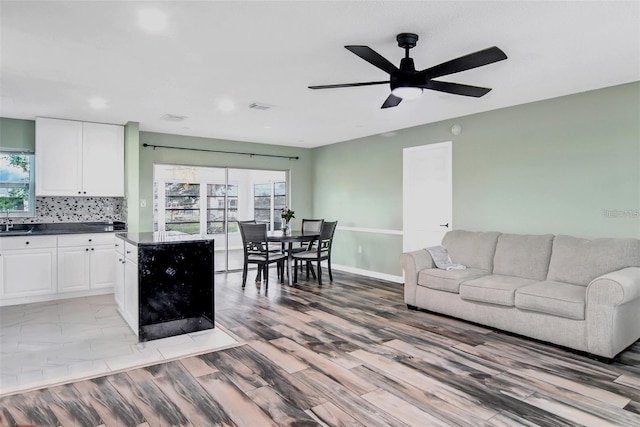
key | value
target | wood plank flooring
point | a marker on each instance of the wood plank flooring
(348, 353)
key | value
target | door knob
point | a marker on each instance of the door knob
(445, 225)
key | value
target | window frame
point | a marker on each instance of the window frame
(29, 185)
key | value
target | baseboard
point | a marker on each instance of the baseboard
(368, 273)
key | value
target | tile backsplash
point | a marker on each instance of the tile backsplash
(77, 209)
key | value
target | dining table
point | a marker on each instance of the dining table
(289, 238)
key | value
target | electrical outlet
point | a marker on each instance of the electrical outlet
(143, 203)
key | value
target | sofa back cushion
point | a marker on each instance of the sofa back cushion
(473, 249)
(579, 261)
(523, 255)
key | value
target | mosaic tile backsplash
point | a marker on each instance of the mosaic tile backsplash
(77, 209)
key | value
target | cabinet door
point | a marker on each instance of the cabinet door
(119, 285)
(131, 295)
(103, 273)
(58, 157)
(28, 272)
(103, 160)
(73, 268)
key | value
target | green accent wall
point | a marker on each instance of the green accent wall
(569, 165)
(17, 134)
(132, 175)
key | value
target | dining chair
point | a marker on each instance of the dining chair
(320, 252)
(309, 226)
(256, 251)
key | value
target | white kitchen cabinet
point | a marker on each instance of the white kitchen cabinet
(28, 266)
(126, 290)
(119, 268)
(85, 261)
(102, 160)
(79, 159)
(131, 294)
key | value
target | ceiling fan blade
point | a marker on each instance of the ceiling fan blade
(391, 101)
(373, 58)
(467, 62)
(456, 88)
(348, 85)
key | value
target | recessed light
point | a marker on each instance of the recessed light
(226, 105)
(98, 103)
(152, 20)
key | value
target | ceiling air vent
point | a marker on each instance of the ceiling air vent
(173, 118)
(257, 106)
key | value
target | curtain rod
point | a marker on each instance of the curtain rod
(221, 151)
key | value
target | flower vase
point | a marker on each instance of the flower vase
(285, 227)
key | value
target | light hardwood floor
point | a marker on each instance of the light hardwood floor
(348, 353)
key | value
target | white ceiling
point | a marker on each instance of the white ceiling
(56, 55)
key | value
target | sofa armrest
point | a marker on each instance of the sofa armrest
(615, 288)
(612, 311)
(412, 264)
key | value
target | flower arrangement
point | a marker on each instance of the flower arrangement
(287, 214)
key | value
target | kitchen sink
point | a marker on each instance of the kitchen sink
(14, 232)
(17, 229)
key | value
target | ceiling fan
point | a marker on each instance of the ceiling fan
(407, 83)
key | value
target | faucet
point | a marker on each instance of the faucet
(8, 226)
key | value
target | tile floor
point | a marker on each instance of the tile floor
(60, 341)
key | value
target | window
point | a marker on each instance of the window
(182, 207)
(216, 209)
(268, 199)
(17, 189)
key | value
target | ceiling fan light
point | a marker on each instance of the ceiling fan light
(407, 92)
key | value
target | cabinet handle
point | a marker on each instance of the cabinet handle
(26, 243)
(90, 240)
(92, 248)
(84, 192)
(79, 192)
(128, 252)
(86, 249)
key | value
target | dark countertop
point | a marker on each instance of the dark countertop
(61, 228)
(150, 238)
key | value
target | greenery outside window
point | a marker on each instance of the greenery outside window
(216, 209)
(17, 188)
(268, 199)
(182, 207)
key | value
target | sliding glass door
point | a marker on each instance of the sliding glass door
(211, 201)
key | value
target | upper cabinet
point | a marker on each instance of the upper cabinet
(79, 159)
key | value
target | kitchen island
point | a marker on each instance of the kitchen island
(164, 283)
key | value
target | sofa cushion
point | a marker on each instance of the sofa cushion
(555, 298)
(579, 261)
(473, 249)
(523, 255)
(493, 289)
(447, 280)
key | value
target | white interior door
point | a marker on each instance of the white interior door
(427, 189)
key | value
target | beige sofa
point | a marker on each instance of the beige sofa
(578, 293)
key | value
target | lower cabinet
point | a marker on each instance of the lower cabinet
(85, 261)
(39, 268)
(118, 289)
(126, 289)
(28, 267)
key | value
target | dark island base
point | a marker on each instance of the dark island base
(175, 288)
(173, 328)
